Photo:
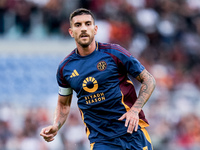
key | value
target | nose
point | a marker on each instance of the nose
(83, 28)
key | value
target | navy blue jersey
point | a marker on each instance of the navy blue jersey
(103, 88)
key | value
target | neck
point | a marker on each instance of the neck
(84, 51)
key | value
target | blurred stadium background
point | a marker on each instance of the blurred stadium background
(162, 34)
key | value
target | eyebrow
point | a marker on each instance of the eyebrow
(88, 22)
(83, 22)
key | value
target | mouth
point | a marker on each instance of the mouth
(84, 35)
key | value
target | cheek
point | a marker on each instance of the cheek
(75, 34)
(92, 31)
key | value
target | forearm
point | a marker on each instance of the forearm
(61, 112)
(60, 116)
(147, 86)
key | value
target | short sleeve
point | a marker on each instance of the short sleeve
(64, 87)
(127, 62)
(134, 67)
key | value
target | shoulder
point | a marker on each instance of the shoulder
(114, 49)
(66, 60)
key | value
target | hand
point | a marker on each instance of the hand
(49, 133)
(132, 120)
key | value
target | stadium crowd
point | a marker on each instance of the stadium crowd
(163, 34)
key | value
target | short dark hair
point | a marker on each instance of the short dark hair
(81, 11)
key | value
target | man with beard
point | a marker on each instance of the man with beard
(97, 72)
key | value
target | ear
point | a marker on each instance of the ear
(70, 32)
(95, 29)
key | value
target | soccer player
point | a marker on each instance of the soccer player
(97, 72)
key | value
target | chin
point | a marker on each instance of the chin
(85, 44)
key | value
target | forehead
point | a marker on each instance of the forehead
(82, 18)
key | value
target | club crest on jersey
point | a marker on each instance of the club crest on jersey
(90, 84)
(102, 65)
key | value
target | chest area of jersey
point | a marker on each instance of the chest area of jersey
(90, 74)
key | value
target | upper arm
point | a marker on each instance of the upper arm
(125, 61)
(65, 100)
(64, 87)
(145, 76)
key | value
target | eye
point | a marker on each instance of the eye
(77, 25)
(88, 24)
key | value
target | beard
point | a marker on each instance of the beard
(85, 44)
